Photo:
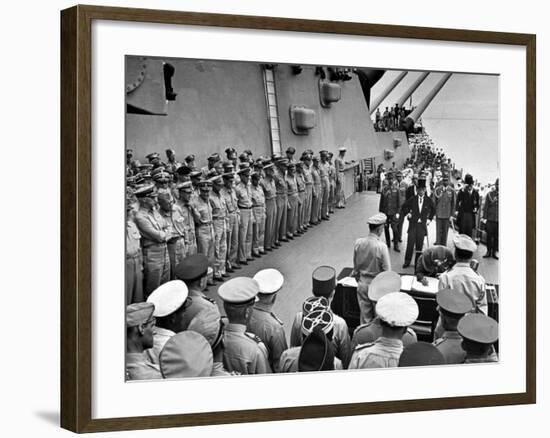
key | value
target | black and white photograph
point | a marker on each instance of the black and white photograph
(286, 218)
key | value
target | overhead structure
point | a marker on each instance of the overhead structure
(412, 88)
(368, 78)
(387, 91)
(408, 124)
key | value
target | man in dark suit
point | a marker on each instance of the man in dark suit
(420, 211)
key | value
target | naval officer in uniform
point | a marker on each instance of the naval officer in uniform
(370, 257)
(479, 333)
(263, 322)
(397, 311)
(169, 300)
(244, 352)
(140, 324)
(421, 354)
(451, 307)
(384, 283)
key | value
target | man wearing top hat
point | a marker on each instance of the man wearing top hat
(233, 218)
(384, 283)
(140, 324)
(193, 271)
(490, 217)
(340, 166)
(323, 285)
(169, 300)
(263, 322)
(420, 211)
(467, 206)
(323, 320)
(370, 257)
(479, 333)
(452, 307)
(153, 230)
(397, 311)
(244, 352)
(444, 197)
(185, 191)
(244, 201)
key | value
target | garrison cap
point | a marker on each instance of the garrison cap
(239, 291)
(186, 186)
(324, 281)
(186, 354)
(479, 328)
(384, 283)
(168, 297)
(314, 303)
(421, 354)
(269, 280)
(397, 309)
(377, 219)
(316, 353)
(209, 324)
(464, 242)
(146, 190)
(192, 267)
(322, 318)
(454, 302)
(152, 155)
(139, 313)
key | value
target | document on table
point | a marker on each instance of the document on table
(348, 282)
(409, 283)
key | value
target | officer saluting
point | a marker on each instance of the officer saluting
(452, 307)
(244, 352)
(396, 311)
(384, 283)
(479, 332)
(263, 322)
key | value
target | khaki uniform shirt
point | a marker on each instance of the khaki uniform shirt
(138, 367)
(257, 195)
(462, 278)
(370, 256)
(244, 352)
(382, 353)
(244, 195)
(230, 198)
(195, 303)
(265, 324)
(371, 331)
(152, 227)
(133, 239)
(188, 221)
(202, 212)
(270, 190)
(444, 198)
(217, 202)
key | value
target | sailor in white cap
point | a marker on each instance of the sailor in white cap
(384, 283)
(169, 300)
(397, 311)
(323, 285)
(462, 278)
(186, 354)
(340, 166)
(263, 322)
(370, 257)
(322, 319)
(140, 324)
(244, 352)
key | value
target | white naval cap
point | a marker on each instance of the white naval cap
(377, 219)
(269, 280)
(397, 309)
(239, 290)
(384, 283)
(168, 297)
(464, 242)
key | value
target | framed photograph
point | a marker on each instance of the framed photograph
(269, 219)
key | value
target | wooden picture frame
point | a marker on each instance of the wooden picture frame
(76, 217)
